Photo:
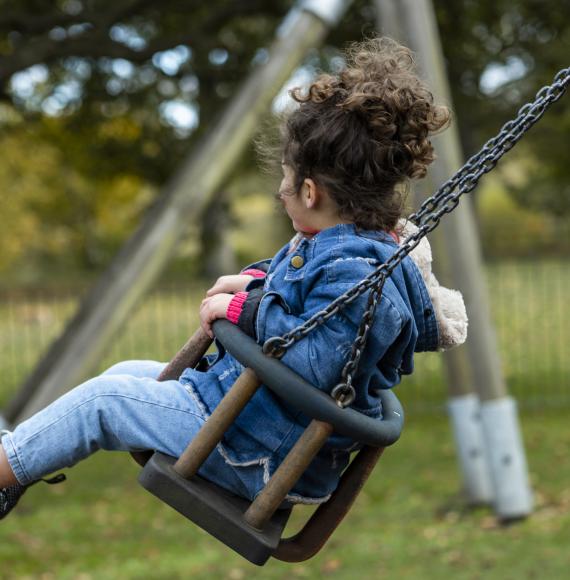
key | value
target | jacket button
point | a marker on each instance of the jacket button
(428, 312)
(297, 261)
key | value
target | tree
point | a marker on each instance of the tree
(87, 61)
(120, 90)
(499, 53)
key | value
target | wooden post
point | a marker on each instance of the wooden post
(218, 254)
(288, 473)
(462, 257)
(217, 424)
(137, 266)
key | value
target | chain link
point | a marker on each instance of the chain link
(427, 218)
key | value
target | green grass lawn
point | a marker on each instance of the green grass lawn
(410, 522)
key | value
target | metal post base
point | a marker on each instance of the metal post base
(513, 499)
(465, 416)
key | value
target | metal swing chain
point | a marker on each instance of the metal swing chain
(427, 218)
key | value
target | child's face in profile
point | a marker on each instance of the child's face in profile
(292, 201)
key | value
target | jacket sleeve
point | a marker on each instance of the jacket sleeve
(243, 307)
(248, 312)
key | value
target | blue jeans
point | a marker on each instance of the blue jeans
(124, 409)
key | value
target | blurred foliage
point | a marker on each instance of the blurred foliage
(509, 230)
(525, 41)
(54, 212)
(100, 101)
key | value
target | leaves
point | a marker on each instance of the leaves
(91, 134)
(52, 209)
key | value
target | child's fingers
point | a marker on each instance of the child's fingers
(211, 309)
(205, 317)
(222, 284)
(229, 284)
(207, 329)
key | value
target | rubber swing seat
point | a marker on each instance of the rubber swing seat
(214, 509)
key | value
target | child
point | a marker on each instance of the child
(347, 149)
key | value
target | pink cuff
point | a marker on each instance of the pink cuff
(255, 273)
(235, 307)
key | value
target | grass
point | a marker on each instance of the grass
(410, 522)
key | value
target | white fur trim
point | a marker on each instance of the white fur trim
(448, 304)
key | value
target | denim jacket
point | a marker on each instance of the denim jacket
(298, 284)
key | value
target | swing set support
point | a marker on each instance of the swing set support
(484, 418)
(254, 529)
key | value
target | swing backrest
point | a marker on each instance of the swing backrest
(254, 530)
(316, 404)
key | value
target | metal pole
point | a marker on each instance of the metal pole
(503, 447)
(463, 405)
(139, 263)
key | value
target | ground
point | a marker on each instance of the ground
(411, 522)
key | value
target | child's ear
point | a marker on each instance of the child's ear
(311, 193)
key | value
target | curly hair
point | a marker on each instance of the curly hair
(362, 132)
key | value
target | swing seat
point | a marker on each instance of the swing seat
(214, 509)
(254, 529)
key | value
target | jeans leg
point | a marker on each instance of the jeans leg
(113, 412)
(137, 368)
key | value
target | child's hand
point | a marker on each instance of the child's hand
(230, 284)
(212, 308)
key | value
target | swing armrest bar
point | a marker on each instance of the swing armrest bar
(315, 403)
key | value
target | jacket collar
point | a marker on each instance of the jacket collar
(340, 230)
